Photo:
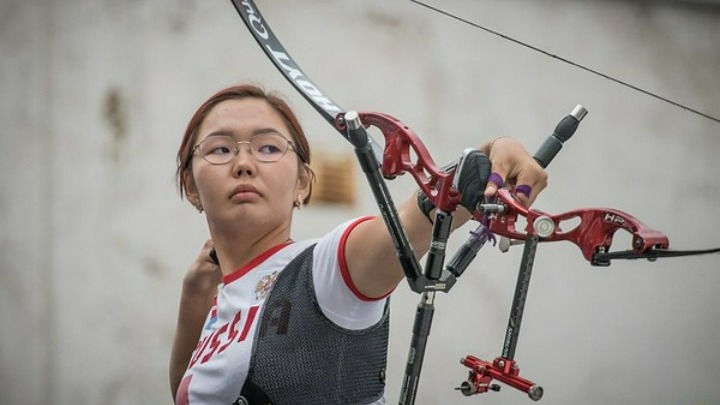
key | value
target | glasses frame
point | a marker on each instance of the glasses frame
(236, 149)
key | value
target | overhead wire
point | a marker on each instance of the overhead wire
(565, 60)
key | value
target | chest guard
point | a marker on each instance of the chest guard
(302, 357)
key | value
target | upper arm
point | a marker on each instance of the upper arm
(338, 298)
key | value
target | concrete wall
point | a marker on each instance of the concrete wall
(94, 240)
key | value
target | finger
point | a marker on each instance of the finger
(524, 189)
(208, 252)
(523, 193)
(495, 181)
(528, 190)
(207, 246)
(213, 256)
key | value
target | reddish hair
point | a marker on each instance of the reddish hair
(240, 91)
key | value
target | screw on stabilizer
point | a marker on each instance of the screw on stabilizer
(467, 388)
(535, 392)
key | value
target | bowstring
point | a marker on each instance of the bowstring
(567, 61)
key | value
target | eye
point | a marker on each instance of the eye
(269, 149)
(269, 145)
(218, 146)
(219, 150)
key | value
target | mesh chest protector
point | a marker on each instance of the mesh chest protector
(301, 357)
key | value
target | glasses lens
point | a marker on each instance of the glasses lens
(218, 149)
(268, 147)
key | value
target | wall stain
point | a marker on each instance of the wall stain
(154, 268)
(384, 19)
(114, 112)
(181, 16)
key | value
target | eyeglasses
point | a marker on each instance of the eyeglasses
(221, 149)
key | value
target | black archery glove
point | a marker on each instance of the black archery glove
(471, 177)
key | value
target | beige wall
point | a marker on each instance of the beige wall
(94, 239)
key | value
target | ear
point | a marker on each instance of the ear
(304, 184)
(191, 191)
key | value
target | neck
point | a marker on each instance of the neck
(235, 248)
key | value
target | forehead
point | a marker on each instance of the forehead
(241, 117)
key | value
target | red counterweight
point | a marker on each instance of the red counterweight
(482, 373)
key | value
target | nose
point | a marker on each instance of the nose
(243, 163)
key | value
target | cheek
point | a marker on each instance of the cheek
(207, 181)
(287, 181)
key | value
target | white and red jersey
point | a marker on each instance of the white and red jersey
(219, 364)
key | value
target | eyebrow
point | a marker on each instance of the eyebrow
(258, 131)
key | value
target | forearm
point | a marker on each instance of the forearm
(191, 316)
(370, 251)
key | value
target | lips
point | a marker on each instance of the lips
(244, 191)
